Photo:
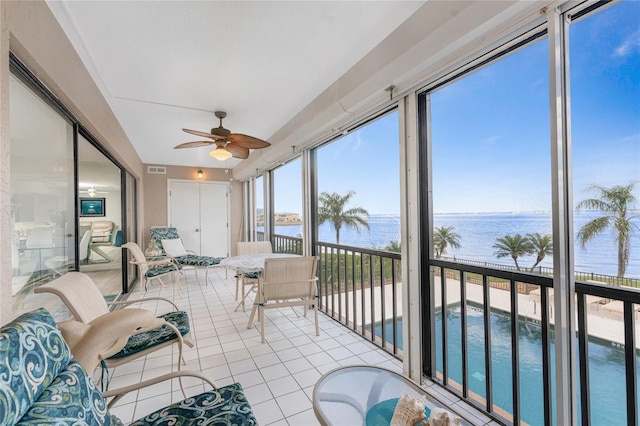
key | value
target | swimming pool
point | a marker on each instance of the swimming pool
(606, 366)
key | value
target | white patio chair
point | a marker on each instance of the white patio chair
(153, 269)
(288, 282)
(249, 279)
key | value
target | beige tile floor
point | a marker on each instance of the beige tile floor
(278, 376)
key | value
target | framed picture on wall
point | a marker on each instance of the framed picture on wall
(92, 207)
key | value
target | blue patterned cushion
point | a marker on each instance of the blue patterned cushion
(32, 354)
(71, 398)
(252, 275)
(194, 260)
(141, 341)
(161, 270)
(224, 406)
(170, 233)
(166, 233)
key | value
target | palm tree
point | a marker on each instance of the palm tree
(615, 202)
(393, 246)
(443, 237)
(332, 209)
(514, 246)
(541, 245)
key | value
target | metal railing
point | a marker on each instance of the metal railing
(545, 270)
(285, 244)
(361, 289)
(509, 296)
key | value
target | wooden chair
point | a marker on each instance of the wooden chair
(288, 282)
(249, 279)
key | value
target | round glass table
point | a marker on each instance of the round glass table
(346, 395)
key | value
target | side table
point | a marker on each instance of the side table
(345, 395)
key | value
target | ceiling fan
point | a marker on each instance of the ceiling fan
(227, 144)
(92, 192)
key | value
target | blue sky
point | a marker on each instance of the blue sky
(491, 132)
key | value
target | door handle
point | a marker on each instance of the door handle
(197, 230)
(68, 235)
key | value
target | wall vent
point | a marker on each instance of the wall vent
(158, 170)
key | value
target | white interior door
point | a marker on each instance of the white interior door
(214, 218)
(199, 211)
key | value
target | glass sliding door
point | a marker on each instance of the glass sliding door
(100, 218)
(42, 200)
(130, 227)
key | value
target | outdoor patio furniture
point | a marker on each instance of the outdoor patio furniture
(184, 257)
(287, 282)
(85, 302)
(249, 279)
(41, 384)
(363, 394)
(155, 268)
(615, 309)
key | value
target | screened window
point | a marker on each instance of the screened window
(358, 181)
(491, 181)
(287, 207)
(260, 208)
(605, 136)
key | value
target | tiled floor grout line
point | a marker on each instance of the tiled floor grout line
(271, 367)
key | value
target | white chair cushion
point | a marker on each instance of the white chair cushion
(174, 247)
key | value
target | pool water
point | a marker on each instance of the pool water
(606, 366)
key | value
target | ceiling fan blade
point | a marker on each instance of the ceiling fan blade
(246, 141)
(193, 144)
(203, 134)
(237, 151)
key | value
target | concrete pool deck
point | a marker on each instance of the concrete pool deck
(603, 321)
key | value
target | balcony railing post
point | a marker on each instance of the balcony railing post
(630, 363)
(515, 365)
(583, 344)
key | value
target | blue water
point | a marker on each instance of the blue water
(478, 233)
(606, 366)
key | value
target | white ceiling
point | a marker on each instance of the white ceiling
(165, 65)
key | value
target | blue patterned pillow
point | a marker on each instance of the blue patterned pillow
(163, 233)
(32, 354)
(72, 398)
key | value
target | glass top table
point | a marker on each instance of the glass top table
(345, 395)
(250, 262)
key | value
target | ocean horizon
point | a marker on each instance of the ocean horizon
(479, 231)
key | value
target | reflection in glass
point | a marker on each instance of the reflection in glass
(100, 221)
(42, 202)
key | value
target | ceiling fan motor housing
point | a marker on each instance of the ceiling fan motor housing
(220, 131)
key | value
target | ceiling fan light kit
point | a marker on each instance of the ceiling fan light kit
(228, 144)
(220, 154)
